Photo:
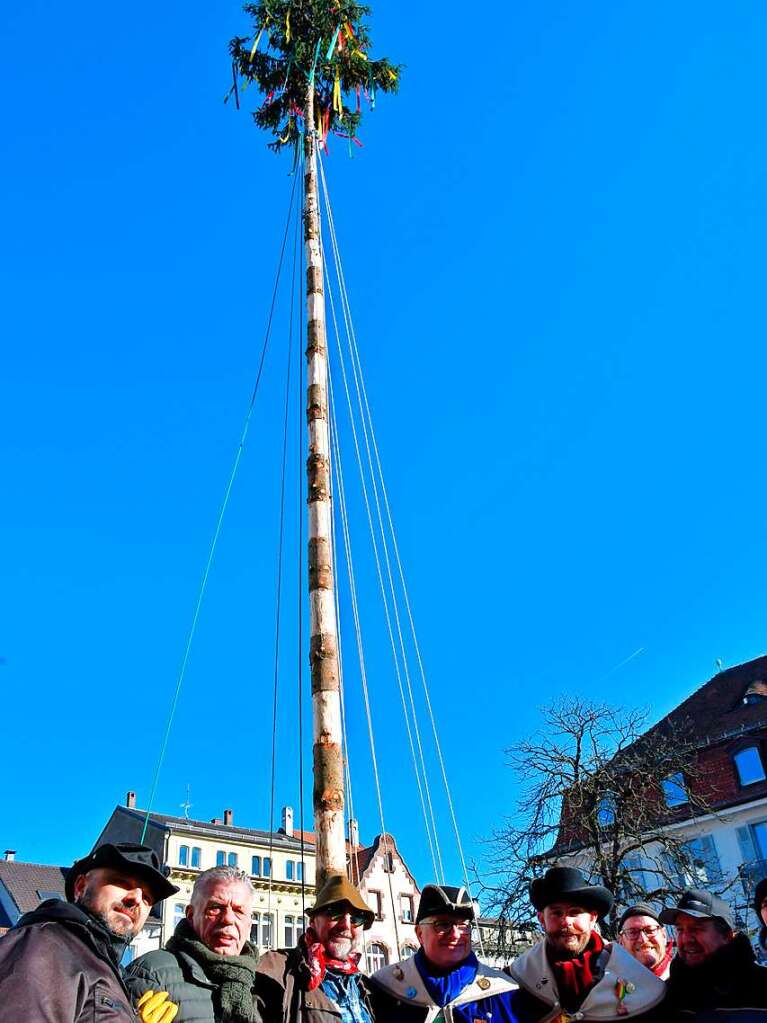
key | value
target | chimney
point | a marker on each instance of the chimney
(228, 817)
(287, 820)
(354, 833)
(10, 855)
(130, 800)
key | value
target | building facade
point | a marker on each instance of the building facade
(727, 721)
(282, 868)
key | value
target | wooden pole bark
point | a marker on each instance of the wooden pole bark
(323, 643)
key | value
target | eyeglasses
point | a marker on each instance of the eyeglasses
(446, 926)
(355, 919)
(634, 933)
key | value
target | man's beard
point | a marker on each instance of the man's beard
(340, 948)
(568, 944)
(117, 927)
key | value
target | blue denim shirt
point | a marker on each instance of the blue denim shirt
(344, 990)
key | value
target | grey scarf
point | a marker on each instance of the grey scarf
(234, 976)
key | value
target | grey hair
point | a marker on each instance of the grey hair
(228, 875)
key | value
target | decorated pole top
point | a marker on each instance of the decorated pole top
(304, 48)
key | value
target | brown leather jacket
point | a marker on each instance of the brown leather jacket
(58, 966)
(281, 988)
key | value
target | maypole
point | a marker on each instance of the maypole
(309, 58)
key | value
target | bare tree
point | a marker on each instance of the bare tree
(599, 792)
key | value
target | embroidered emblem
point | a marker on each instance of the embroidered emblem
(483, 982)
(411, 992)
(398, 974)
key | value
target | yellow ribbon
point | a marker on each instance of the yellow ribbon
(286, 136)
(349, 33)
(359, 53)
(287, 26)
(337, 102)
(255, 45)
(392, 74)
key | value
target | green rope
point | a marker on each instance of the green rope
(217, 531)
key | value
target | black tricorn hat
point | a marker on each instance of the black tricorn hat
(567, 884)
(136, 860)
(443, 898)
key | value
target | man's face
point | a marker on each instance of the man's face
(121, 901)
(445, 939)
(567, 926)
(697, 939)
(338, 929)
(220, 916)
(645, 939)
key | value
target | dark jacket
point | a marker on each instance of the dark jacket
(281, 988)
(59, 965)
(729, 979)
(178, 974)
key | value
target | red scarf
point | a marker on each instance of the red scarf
(318, 960)
(575, 977)
(661, 967)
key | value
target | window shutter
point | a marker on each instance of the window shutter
(746, 844)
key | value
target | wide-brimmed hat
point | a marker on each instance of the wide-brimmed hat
(443, 898)
(567, 884)
(638, 909)
(337, 889)
(136, 860)
(702, 904)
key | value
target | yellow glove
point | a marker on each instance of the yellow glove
(154, 1007)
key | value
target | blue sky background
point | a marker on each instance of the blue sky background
(553, 241)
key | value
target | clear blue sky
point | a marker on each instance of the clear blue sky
(555, 261)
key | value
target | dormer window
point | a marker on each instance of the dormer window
(756, 692)
(674, 791)
(748, 764)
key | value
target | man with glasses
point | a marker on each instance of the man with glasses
(444, 979)
(644, 937)
(319, 979)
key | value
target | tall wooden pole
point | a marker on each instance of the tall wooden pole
(323, 644)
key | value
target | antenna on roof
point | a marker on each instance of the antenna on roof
(718, 664)
(186, 806)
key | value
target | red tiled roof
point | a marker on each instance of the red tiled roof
(23, 881)
(716, 710)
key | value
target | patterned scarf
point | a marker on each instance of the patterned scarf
(319, 961)
(234, 976)
(575, 977)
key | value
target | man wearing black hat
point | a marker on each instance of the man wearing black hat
(644, 937)
(61, 962)
(444, 977)
(573, 971)
(319, 979)
(714, 969)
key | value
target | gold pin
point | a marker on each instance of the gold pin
(484, 983)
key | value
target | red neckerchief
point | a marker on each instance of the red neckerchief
(575, 977)
(318, 961)
(661, 967)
